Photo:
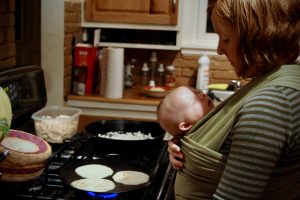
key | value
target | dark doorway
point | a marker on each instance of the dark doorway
(28, 32)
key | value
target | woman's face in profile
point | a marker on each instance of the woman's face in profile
(228, 42)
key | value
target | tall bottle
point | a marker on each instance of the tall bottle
(153, 66)
(145, 75)
(160, 75)
(85, 36)
(203, 74)
(128, 75)
(85, 39)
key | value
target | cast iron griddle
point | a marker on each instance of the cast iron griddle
(67, 173)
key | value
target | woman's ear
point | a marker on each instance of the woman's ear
(184, 126)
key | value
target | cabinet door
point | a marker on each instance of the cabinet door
(156, 12)
(130, 6)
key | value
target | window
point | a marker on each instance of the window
(197, 32)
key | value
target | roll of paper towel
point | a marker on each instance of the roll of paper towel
(112, 73)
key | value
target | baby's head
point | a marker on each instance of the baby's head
(181, 108)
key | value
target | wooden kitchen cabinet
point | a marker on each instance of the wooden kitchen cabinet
(154, 12)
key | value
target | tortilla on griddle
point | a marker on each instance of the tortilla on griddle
(128, 177)
(94, 171)
(93, 185)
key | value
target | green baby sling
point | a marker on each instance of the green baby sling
(203, 165)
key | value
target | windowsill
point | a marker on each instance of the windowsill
(134, 104)
(134, 95)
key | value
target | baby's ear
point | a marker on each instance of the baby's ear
(184, 126)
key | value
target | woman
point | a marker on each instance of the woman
(249, 146)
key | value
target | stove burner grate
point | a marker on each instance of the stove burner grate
(49, 186)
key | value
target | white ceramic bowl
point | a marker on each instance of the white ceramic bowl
(156, 91)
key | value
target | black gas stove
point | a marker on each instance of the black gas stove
(50, 186)
(27, 92)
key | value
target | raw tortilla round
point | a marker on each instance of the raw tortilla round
(131, 177)
(21, 145)
(93, 185)
(94, 171)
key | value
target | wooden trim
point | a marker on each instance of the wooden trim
(109, 100)
(138, 18)
(134, 95)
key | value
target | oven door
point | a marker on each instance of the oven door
(25, 86)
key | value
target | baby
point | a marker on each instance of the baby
(181, 108)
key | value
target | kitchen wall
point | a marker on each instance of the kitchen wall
(20, 33)
(52, 49)
(50, 41)
(7, 34)
(60, 22)
(186, 65)
(72, 20)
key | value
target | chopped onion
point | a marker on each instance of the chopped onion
(121, 135)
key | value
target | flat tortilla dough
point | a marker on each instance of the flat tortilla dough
(128, 177)
(93, 185)
(94, 171)
(18, 144)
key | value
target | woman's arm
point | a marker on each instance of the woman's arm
(175, 154)
(260, 135)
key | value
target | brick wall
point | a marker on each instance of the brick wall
(221, 71)
(7, 33)
(186, 66)
(72, 29)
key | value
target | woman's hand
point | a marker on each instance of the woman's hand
(175, 154)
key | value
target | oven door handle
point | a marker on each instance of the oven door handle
(169, 176)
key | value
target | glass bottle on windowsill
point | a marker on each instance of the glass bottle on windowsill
(153, 65)
(128, 75)
(160, 75)
(145, 76)
(170, 77)
(85, 39)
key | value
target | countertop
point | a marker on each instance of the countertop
(133, 95)
(134, 104)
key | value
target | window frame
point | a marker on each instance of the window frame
(195, 39)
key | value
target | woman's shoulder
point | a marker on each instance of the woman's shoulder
(277, 96)
(270, 111)
(274, 102)
(273, 110)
